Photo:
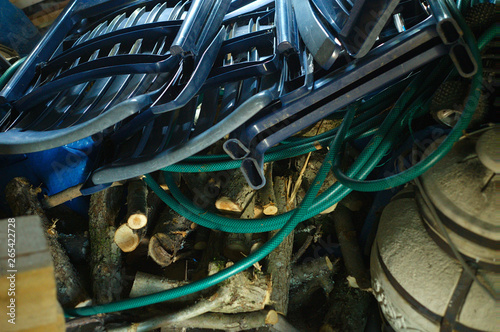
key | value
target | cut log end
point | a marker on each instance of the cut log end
(227, 204)
(126, 239)
(270, 210)
(272, 317)
(330, 209)
(158, 253)
(137, 221)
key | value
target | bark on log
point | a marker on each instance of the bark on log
(127, 237)
(242, 292)
(211, 253)
(312, 169)
(155, 207)
(22, 199)
(237, 244)
(106, 260)
(145, 284)
(137, 205)
(76, 246)
(202, 237)
(235, 195)
(280, 190)
(278, 261)
(351, 252)
(168, 237)
(309, 277)
(217, 321)
(266, 196)
(319, 128)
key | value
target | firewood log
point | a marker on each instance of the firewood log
(22, 199)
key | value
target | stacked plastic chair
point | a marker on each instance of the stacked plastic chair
(159, 81)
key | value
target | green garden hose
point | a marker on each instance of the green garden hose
(310, 206)
(4, 79)
(185, 207)
(365, 123)
(424, 165)
(240, 266)
(488, 36)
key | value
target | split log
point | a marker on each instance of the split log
(266, 196)
(217, 321)
(137, 206)
(145, 284)
(22, 199)
(105, 258)
(242, 292)
(358, 275)
(168, 237)
(235, 195)
(278, 261)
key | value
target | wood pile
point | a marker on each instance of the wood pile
(136, 245)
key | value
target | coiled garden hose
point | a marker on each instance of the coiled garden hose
(488, 36)
(241, 265)
(4, 79)
(424, 165)
(185, 207)
(311, 204)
